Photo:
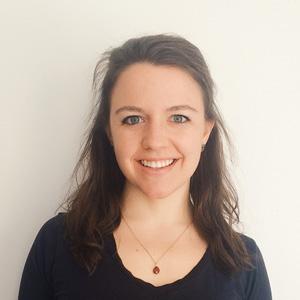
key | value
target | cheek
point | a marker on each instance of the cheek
(191, 142)
(126, 143)
(191, 150)
(125, 150)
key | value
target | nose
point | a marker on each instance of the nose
(155, 135)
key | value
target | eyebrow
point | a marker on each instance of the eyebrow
(140, 110)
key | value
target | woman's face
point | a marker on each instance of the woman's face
(157, 114)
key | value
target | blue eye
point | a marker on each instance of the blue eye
(133, 120)
(124, 121)
(179, 117)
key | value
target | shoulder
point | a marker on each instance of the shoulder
(52, 227)
(254, 251)
(41, 258)
(250, 243)
(54, 223)
(48, 237)
(255, 281)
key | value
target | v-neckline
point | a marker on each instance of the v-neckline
(144, 284)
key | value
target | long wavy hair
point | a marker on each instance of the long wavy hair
(93, 206)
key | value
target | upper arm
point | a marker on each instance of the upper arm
(36, 281)
(258, 284)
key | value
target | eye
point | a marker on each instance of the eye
(179, 117)
(134, 118)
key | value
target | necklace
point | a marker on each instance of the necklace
(156, 269)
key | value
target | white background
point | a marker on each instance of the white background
(48, 53)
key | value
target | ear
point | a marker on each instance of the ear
(108, 133)
(209, 125)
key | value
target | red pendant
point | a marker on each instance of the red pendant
(156, 270)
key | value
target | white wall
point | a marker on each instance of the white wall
(48, 52)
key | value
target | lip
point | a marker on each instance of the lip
(159, 171)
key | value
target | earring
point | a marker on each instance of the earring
(111, 143)
(203, 147)
(191, 199)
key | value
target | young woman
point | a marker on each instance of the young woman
(152, 216)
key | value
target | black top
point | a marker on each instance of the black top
(50, 272)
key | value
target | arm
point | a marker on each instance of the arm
(36, 281)
(258, 286)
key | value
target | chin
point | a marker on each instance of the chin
(154, 193)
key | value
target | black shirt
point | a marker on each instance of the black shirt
(50, 272)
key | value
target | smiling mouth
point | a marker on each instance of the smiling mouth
(157, 166)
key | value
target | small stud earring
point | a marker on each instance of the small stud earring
(203, 147)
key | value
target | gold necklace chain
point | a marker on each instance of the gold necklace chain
(156, 269)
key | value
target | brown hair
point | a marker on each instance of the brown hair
(93, 209)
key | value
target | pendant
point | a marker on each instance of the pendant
(156, 270)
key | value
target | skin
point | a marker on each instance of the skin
(157, 202)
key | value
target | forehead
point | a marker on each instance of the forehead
(160, 85)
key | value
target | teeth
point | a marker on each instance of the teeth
(157, 164)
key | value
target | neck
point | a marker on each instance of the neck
(173, 210)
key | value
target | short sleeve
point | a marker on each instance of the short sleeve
(36, 281)
(258, 284)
